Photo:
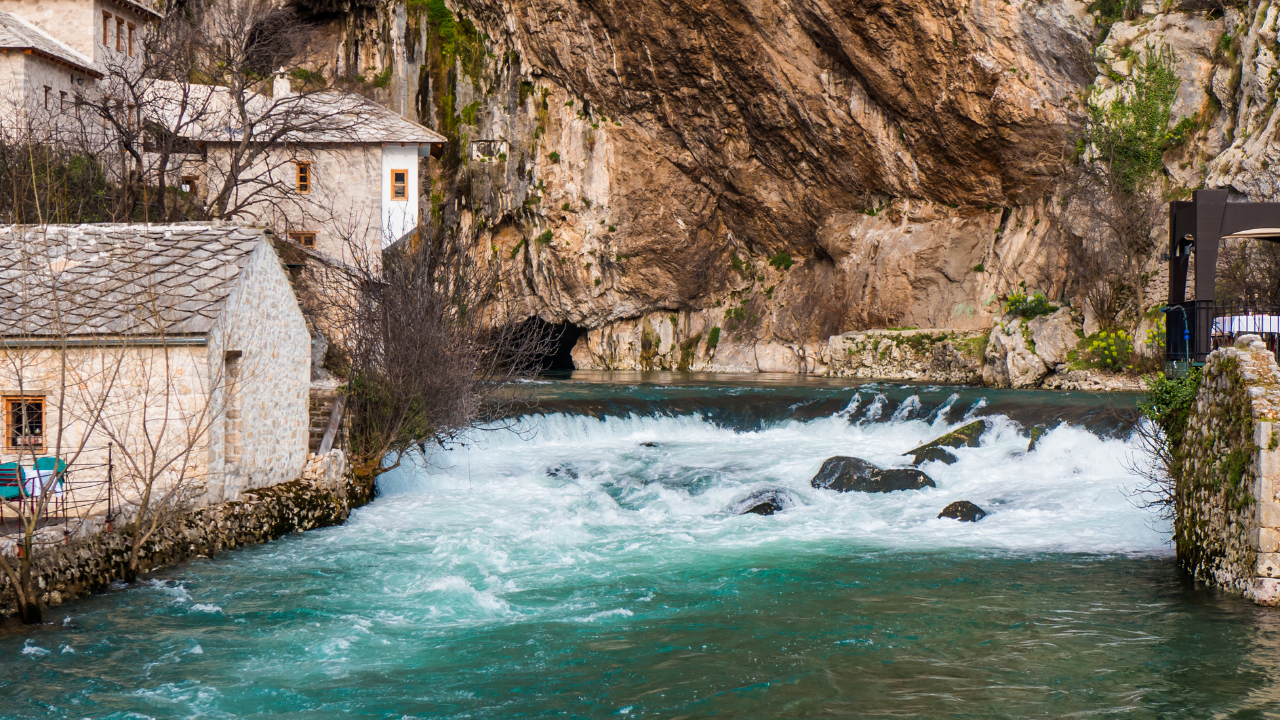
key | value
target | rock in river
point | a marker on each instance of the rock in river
(968, 436)
(763, 502)
(850, 474)
(964, 511)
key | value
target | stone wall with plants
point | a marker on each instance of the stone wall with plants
(322, 496)
(1227, 470)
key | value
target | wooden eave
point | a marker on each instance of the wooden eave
(55, 60)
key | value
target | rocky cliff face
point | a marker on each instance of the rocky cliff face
(725, 185)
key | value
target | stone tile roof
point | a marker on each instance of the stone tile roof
(18, 34)
(206, 113)
(119, 279)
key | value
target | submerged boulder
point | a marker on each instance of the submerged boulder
(649, 444)
(964, 511)
(968, 436)
(564, 471)
(762, 502)
(850, 474)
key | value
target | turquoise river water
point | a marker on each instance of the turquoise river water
(572, 570)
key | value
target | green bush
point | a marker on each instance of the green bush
(544, 238)
(1028, 307)
(1113, 349)
(1167, 403)
(1132, 132)
(554, 156)
(713, 338)
(781, 261)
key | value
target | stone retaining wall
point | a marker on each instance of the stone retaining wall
(1227, 522)
(322, 496)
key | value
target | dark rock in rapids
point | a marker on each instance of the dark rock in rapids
(928, 454)
(563, 471)
(850, 474)
(649, 444)
(964, 511)
(762, 502)
(968, 436)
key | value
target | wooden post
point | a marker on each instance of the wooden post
(335, 419)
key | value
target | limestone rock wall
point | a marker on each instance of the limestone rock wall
(1227, 524)
(818, 169)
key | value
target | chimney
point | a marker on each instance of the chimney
(280, 87)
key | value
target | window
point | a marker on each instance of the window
(62, 100)
(24, 423)
(188, 183)
(304, 177)
(106, 29)
(119, 34)
(399, 184)
(47, 90)
(131, 28)
(305, 239)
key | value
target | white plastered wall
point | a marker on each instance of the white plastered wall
(399, 216)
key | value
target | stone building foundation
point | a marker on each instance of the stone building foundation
(322, 496)
(1227, 513)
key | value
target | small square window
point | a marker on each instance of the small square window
(24, 423)
(399, 184)
(304, 177)
(305, 239)
(188, 183)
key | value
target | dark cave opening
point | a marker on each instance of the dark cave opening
(561, 337)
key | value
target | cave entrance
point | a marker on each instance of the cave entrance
(561, 337)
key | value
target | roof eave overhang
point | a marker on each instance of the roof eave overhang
(95, 74)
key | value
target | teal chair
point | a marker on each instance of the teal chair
(10, 481)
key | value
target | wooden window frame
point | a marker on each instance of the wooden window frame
(399, 191)
(305, 238)
(131, 27)
(47, 92)
(106, 29)
(304, 179)
(190, 182)
(9, 445)
(119, 34)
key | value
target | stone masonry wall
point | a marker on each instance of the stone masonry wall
(1227, 523)
(927, 355)
(260, 435)
(322, 496)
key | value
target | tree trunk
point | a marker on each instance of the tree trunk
(28, 603)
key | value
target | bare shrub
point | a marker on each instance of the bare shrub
(426, 343)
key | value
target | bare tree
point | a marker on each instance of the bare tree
(428, 343)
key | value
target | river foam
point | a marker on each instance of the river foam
(566, 488)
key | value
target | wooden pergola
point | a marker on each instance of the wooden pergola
(1197, 228)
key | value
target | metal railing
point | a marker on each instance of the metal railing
(1195, 328)
(84, 488)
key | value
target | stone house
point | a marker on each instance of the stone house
(39, 72)
(104, 31)
(342, 178)
(177, 345)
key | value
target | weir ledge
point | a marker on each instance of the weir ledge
(324, 494)
(1227, 474)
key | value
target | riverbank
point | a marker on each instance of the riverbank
(323, 495)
